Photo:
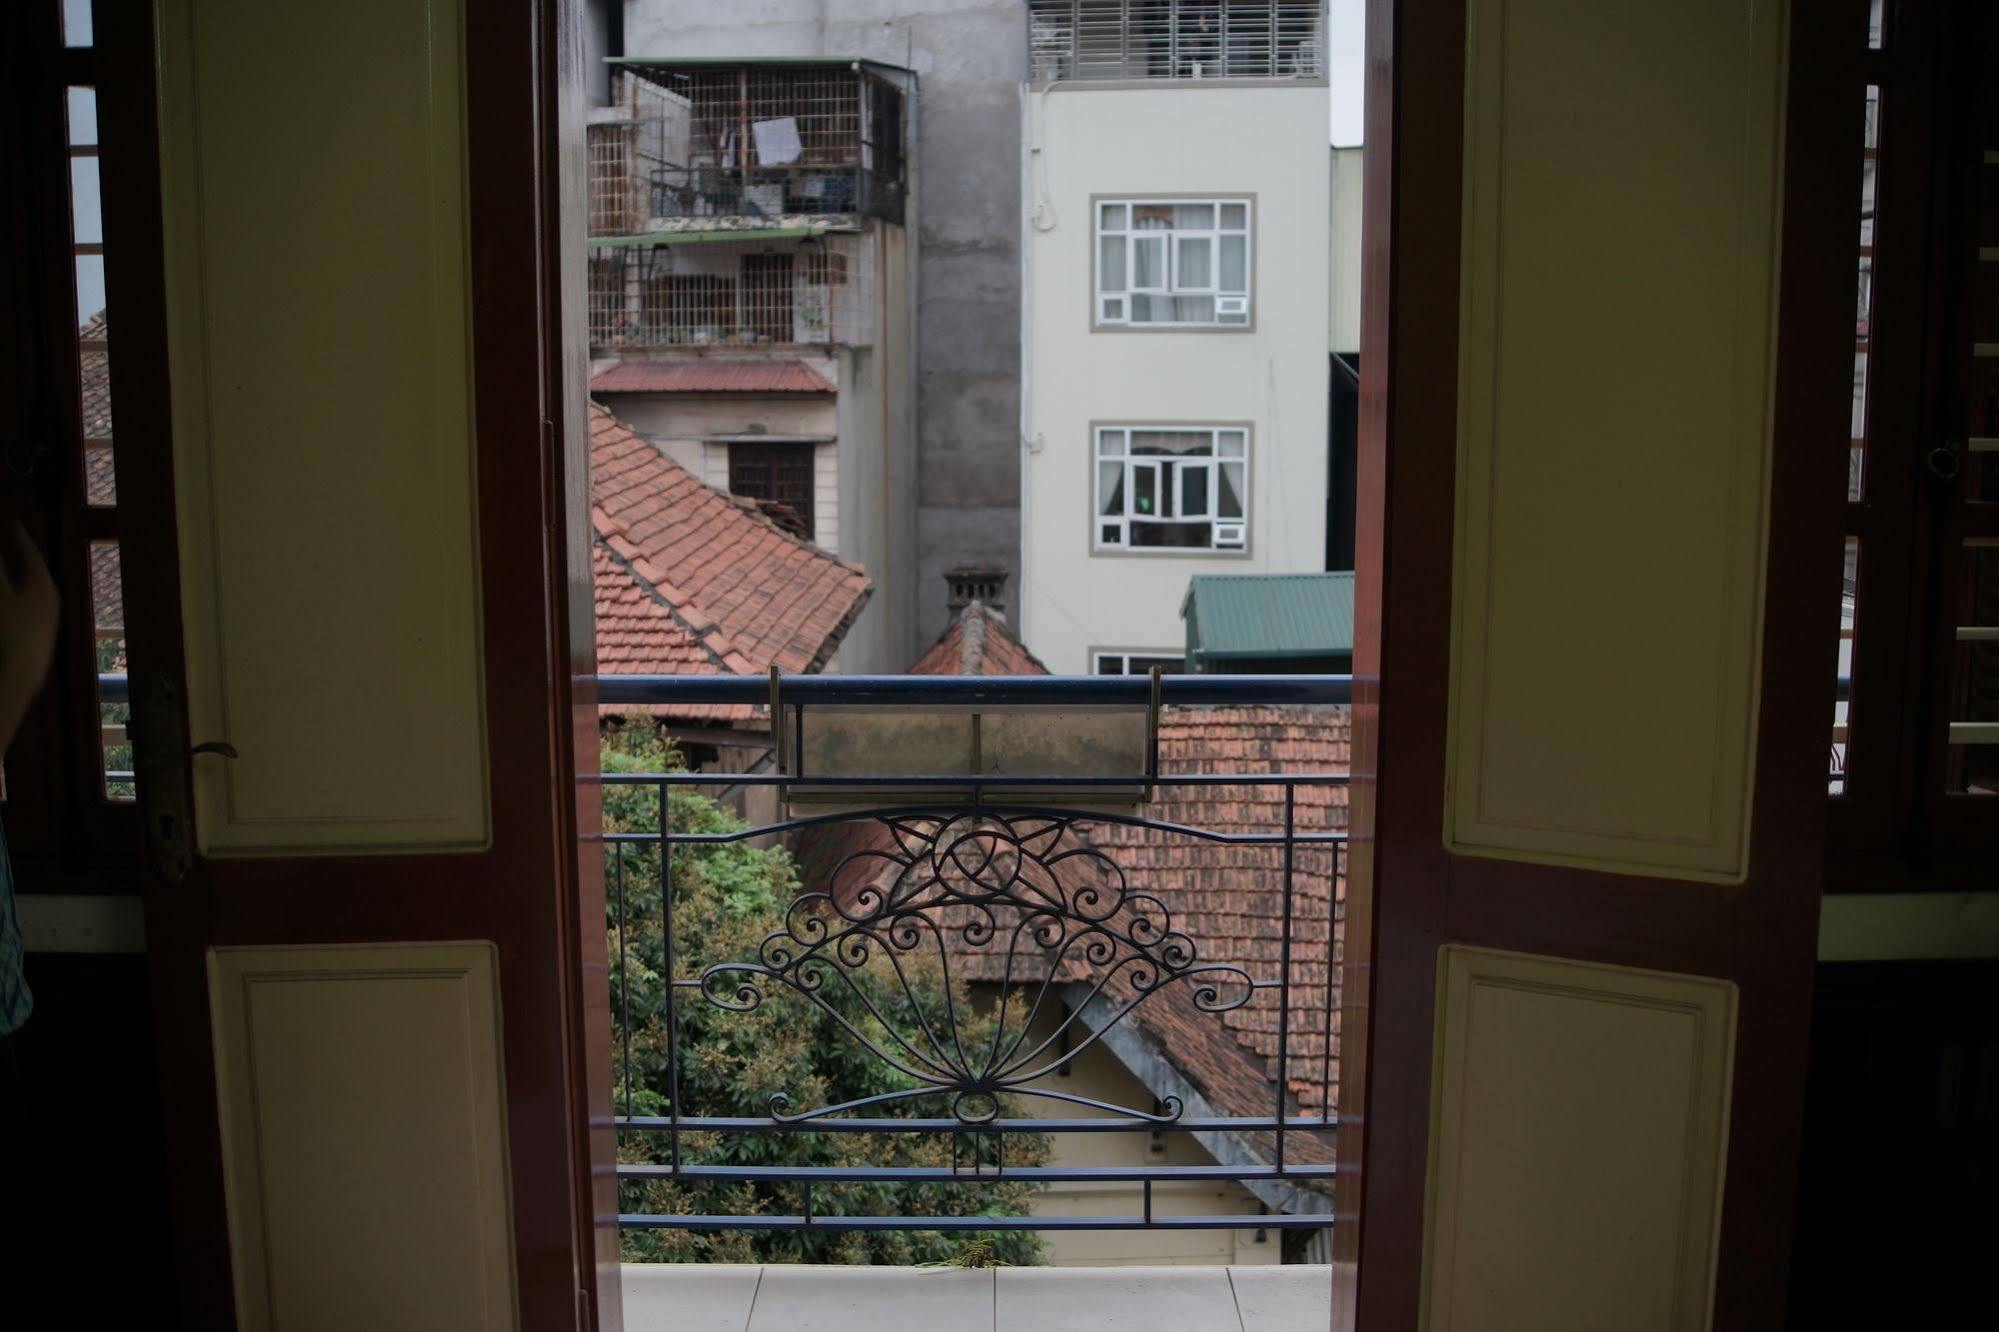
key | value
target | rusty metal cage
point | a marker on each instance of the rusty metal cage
(814, 290)
(1175, 39)
(746, 140)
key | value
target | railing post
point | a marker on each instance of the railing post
(667, 973)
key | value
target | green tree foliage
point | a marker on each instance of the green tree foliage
(728, 897)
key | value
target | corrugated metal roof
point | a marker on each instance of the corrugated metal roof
(709, 377)
(1269, 615)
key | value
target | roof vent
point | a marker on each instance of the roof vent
(976, 582)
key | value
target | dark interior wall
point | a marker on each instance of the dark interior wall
(1901, 1148)
(83, 1165)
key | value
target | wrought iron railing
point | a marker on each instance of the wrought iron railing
(1051, 936)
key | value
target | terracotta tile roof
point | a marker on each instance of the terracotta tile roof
(1229, 899)
(703, 376)
(94, 358)
(978, 642)
(689, 580)
(107, 590)
(638, 633)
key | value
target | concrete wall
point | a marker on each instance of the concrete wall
(685, 427)
(1345, 327)
(1097, 1073)
(1264, 141)
(969, 57)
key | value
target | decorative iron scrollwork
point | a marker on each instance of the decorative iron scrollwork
(962, 888)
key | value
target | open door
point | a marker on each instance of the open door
(338, 535)
(1608, 283)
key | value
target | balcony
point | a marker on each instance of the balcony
(1155, 40)
(746, 146)
(1013, 969)
(749, 290)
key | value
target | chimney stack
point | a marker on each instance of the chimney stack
(976, 582)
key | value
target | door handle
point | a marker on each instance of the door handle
(161, 751)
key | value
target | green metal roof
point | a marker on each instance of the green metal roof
(1268, 615)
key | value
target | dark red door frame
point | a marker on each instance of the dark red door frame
(534, 892)
(1407, 895)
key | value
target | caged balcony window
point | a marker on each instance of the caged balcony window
(1173, 263)
(1081, 40)
(1172, 488)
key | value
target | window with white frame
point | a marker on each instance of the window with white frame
(1172, 488)
(1135, 663)
(1173, 263)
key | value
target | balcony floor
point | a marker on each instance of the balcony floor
(668, 1297)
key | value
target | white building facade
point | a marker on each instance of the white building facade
(1176, 280)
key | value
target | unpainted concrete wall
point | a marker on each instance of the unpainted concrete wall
(969, 57)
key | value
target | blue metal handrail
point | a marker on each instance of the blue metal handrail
(983, 690)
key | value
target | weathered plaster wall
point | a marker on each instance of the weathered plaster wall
(969, 58)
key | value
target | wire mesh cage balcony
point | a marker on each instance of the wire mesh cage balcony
(683, 142)
(1175, 39)
(733, 293)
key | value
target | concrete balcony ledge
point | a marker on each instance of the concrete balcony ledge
(691, 1297)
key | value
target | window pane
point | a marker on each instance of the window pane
(1856, 458)
(1194, 492)
(1110, 443)
(1110, 263)
(1194, 217)
(107, 604)
(1177, 310)
(86, 208)
(1111, 535)
(1110, 663)
(1235, 217)
(1151, 217)
(1148, 266)
(93, 357)
(82, 117)
(1231, 491)
(1173, 536)
(76, 23)
(1233, 443)
(1113, 217)
(1155, 442)
(1196, 262)
(1235, 264)
(89, 287)
(1145, 489)
(1840, 711)
(1110, 488)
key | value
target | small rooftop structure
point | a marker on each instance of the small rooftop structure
(1249, 624)
(689, 581)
